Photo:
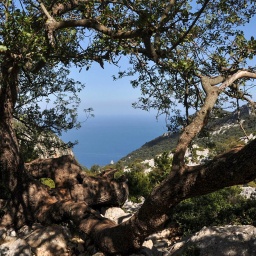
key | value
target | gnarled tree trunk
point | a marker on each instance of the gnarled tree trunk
(237, 166)
(11, 165)
(9, 151)
(29, 200)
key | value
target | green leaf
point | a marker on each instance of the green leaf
(3, 48)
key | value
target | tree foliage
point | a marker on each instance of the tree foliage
(190, 55)
(215, 46)
(47, 100)
(166, 52)
(163, 164)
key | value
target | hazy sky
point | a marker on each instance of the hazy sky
(106, 96)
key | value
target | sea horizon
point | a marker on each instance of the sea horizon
(106, 139)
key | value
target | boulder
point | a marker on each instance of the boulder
(49, 241)
(15, 247)
(116, 214)
(248, 192)
(221, 241)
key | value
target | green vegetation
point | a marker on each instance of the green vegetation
(138, 181)
(183, 56)
(223, 207)
(252, 184)
(96, 169)
(153, 148)
(218, 142)
(48, 182)
(163, 164)
(35, 144)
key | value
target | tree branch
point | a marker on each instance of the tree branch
(151, 53)
(49, 17)
(94, 24)
(236, 76)
(61, 8)
(232, 168)
(71, 182)
(166, 15)
(235, 167)
(196, 125)
(190, 27)
(201, 118)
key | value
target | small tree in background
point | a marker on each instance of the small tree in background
(138, 181)
(162, 168)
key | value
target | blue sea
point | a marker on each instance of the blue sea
(103, 139)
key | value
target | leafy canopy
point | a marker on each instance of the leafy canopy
(169, 45)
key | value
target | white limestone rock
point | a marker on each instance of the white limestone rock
(221, 241)
(15, 247)
(116, 214)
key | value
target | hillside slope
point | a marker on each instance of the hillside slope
(220, 134)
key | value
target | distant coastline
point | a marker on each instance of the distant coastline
(103, 139)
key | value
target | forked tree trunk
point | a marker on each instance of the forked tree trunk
(237, 166)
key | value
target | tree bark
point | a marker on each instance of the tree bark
(11, 165)
(237, 166)
(234, 167)
(9, 150)
(72, 183)
(30, 201)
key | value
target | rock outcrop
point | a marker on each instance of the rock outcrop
(58, 240)
(222, 241)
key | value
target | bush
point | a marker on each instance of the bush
(252, 184)
(138, 181)
(226, 144)
(223, 207)
(163, 165)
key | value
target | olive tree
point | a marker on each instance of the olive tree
(193, 54)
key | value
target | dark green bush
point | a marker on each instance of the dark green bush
(163, 164)
(223, 207)
(138, 181)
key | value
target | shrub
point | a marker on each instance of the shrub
(96, 169)
(138, 181)
(139, 184)
(252, 184)
(163, 164)
(223, 207)
(226, 144)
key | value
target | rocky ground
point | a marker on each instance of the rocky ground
(58, 240)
